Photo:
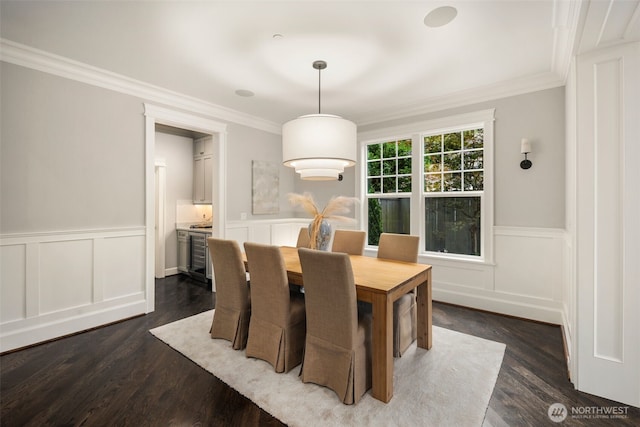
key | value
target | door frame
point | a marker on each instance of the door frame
(162, 115)
(160, 205)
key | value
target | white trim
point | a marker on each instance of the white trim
(484, 118)
(167, 116)
(36, 59)
(507, 304)
(500, 90)
(160, 211)
(61, 236)
(441, 123)
(72, 322)
(551, 233)
(37, 322)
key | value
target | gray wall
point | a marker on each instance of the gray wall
(72, 155)
(323, 191)
(531, 198)
(72, 158)
(244, 145)
(177, 153)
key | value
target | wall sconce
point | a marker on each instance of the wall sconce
(525, 148)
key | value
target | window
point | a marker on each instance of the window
(453, 185)
(389, 178)
(436, 182)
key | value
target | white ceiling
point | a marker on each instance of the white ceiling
(383, 62)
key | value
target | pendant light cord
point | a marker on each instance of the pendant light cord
(319, 87)
(319, 65)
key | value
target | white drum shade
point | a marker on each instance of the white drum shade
(319, 146)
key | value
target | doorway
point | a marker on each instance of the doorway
(156, 115)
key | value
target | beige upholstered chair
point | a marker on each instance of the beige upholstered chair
(304, 240)
(401, 247)
(233, 304)
(277, 328)
(349, 242)
(338, 346)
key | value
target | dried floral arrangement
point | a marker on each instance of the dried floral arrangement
(334, 210)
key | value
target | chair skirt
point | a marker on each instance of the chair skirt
(232, 325)
(405, 315)
(347, 372)
(281, 347)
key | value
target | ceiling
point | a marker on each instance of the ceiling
(383, 61)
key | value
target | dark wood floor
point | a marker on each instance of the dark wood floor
(121, 375)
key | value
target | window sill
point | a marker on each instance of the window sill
(425, 257)
(438, 258)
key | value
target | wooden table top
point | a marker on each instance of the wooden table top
(372, 274)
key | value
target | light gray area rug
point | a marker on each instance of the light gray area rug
(449, 385)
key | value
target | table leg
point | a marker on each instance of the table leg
(382, 348)
(425, 313)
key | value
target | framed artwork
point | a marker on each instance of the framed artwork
(265, 187)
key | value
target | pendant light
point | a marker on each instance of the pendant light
(319, 146)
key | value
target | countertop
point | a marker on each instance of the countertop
(187, 227)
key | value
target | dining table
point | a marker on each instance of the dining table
(380, 282)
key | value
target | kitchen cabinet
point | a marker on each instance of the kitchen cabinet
(202, 170)
(203, 146)
(184, 255)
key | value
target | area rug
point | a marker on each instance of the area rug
(449, 385)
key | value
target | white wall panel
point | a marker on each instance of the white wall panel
(239, 234)
(461, 275)
(608, 211)
(13, 279)
(260, 233)
(66, 275)
(119, 266)
(281, 232)
(54, 284)
(529, 263)
(284, 234)
(607, 247)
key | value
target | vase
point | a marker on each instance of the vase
(320, 233)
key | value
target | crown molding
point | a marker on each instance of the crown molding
(504, 89)
(29, 57)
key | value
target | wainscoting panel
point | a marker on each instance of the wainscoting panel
(238, 233)
(117, 266)
(66, 275)
(525, 281)
(529, 262)
(54, 284)
(260, 233)
(281, 232)
(13, 279)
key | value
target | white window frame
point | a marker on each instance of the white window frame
(382, 195)
(484, 119)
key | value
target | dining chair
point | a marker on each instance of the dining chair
(304, 241)
(401, 247)
(233, 302)
(338, 344)
(349, 242)
(277, 328)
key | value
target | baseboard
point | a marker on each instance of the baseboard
(567, 342)
(171, 271)
(38, 333)
(501, 305)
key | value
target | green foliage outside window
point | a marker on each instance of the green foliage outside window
(389, 169)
